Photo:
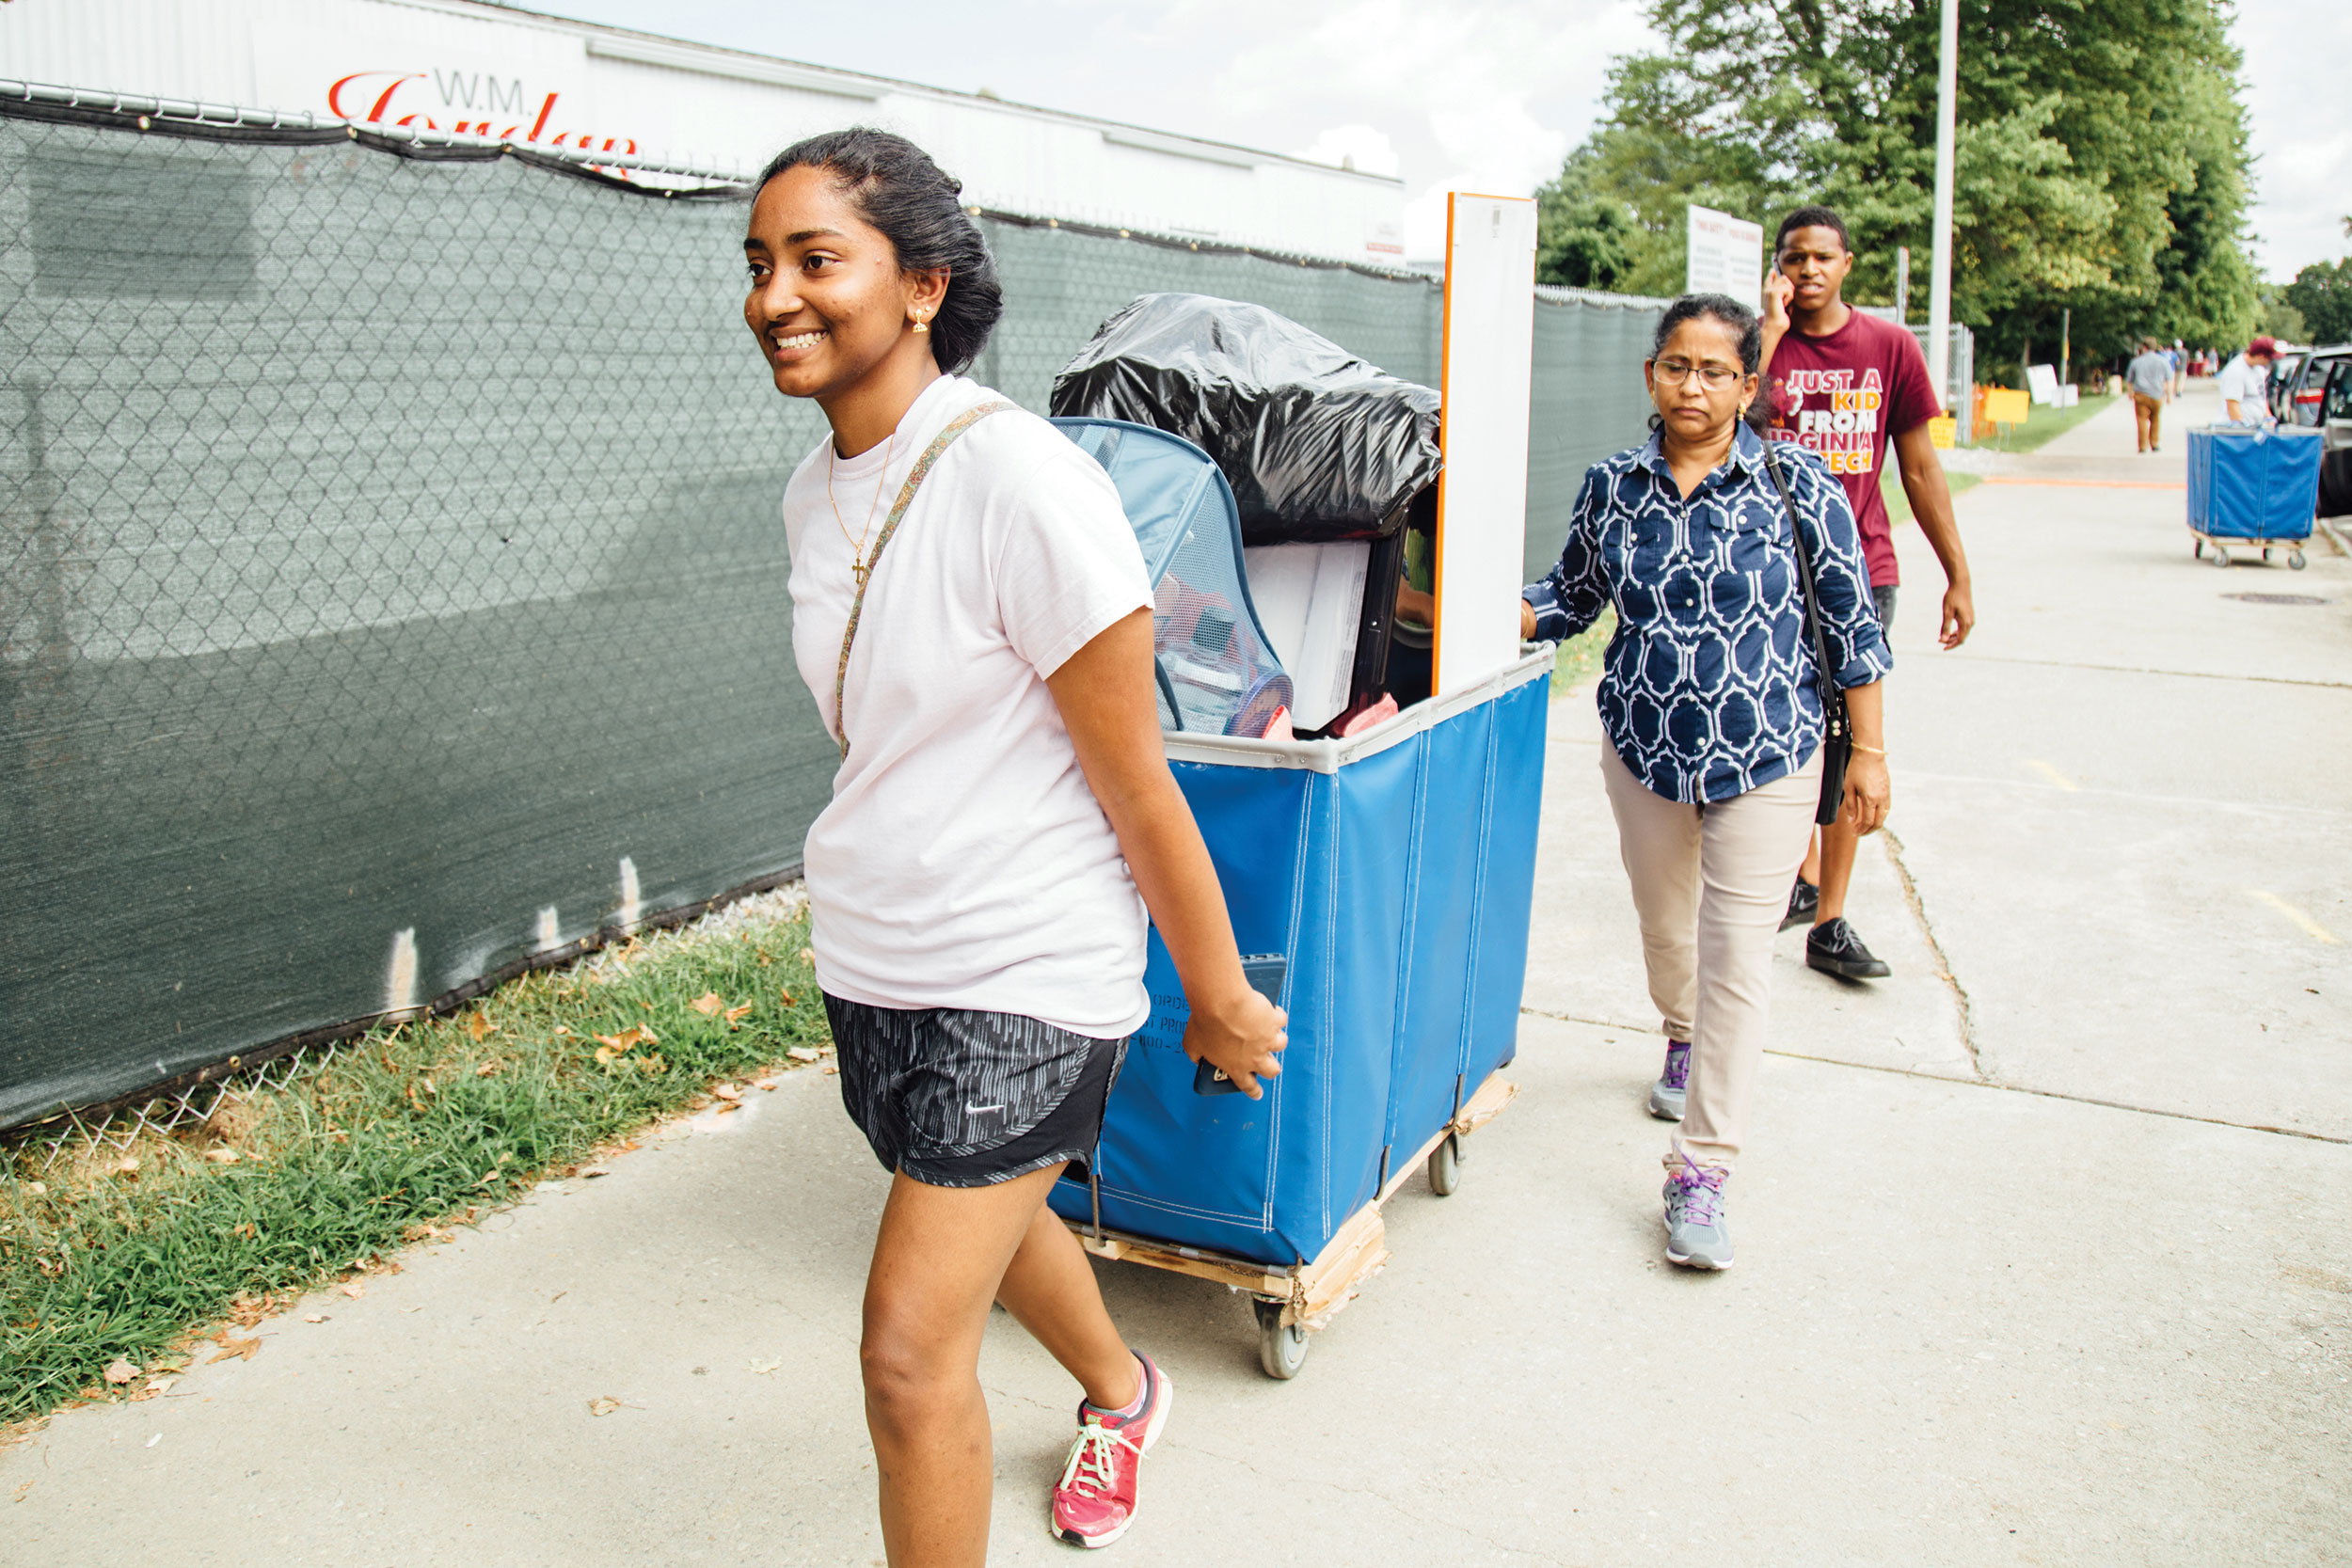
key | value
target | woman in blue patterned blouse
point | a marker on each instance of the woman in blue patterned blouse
(1710, 702)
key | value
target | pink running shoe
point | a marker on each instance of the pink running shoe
(1095, 1501)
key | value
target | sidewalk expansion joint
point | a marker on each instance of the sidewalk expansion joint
(1966, 1015)
(1994, 1084)
(2145, 670)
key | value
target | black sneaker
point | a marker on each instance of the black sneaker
(1834, 949)
(1804, 899)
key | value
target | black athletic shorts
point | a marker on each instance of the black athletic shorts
(958, 1098)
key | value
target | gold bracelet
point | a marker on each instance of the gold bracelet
(1874, 750)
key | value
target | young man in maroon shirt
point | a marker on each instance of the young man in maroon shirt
(1845, 384)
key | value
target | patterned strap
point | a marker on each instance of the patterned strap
(864, 570)
(1833, 700)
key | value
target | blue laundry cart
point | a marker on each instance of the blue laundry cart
(2252, 489)
(1394, 870)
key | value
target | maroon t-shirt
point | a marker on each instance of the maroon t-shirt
(1844, 396)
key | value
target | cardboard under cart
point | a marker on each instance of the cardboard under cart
(1395, 870)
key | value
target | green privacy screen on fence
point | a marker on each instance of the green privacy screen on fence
(392, 590)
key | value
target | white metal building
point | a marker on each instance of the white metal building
(457, 66)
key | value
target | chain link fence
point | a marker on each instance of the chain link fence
(392, 590)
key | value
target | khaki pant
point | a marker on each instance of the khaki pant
(2146, 412)
(1710, 885)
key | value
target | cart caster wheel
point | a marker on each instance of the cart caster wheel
(2222, 558)
(1445, 1165)
(1281, 1347)
(2296, 561)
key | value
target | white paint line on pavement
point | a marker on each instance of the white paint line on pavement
(2311, 928)
(2052, 774)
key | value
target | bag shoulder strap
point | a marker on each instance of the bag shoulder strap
(915, 476)
(1833, 700)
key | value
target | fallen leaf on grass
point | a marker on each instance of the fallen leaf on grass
(764, 1368)
(734, 1015)
(127, 1165)
(36, 1188)
(787, 994)
(249, 1228)
(708, 1004)
(243, 1350)
(479, 1027)
(223, 1156)
(804, 1054)
(489, 1069)
(603, 1407)
(120, 1372)
(156, 1387)
(353, 1288)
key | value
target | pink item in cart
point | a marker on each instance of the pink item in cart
(1364, 719)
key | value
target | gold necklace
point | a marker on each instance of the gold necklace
(859, 564)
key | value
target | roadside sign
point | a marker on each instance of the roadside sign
(1725, 257)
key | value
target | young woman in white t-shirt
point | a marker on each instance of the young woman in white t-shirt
(1002, 818)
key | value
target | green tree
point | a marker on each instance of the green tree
(2101, 153)
(1584, 237)
(2323, 294)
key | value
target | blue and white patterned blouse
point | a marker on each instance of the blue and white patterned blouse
(1708, 690)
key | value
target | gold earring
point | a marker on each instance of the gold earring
(921, 326)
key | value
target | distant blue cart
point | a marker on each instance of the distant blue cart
(2252, 489)
(1395, 869)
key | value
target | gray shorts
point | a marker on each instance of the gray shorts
(956, 1099)
(1884, 600)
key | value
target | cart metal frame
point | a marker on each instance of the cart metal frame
(1292, 1302)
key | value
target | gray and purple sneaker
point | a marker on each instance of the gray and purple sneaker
(1665, 1096)
(1696, 1236)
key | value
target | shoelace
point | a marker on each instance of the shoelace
(1093, 1456)
(1702, 1192)
(1678, 1064)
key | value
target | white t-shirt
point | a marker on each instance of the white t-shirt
(2247, 384)
(963, 862)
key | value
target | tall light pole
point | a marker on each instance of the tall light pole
(1940, 273)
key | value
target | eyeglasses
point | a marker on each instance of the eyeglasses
(1713, 377)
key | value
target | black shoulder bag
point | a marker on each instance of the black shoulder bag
(1837, 739)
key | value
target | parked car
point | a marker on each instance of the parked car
(2279, 393)
(2335, 423)
(2308, 388)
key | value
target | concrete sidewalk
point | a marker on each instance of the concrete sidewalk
(2020, 1280)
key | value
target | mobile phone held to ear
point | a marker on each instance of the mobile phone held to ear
(1265, 971)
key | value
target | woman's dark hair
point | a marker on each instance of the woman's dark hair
(1745, 330)
(895, 186)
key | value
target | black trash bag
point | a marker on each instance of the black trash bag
(1317, 445)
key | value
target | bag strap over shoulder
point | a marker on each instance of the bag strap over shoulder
(915, 476)
(1833, 737)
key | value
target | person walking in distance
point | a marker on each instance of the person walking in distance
(2148, 377)
(972, 615)
(1709, 542)
(1848, 386)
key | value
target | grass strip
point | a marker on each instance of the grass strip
(114, 1260)
(2042, 425)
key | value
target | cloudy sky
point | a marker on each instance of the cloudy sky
(1456, 94)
